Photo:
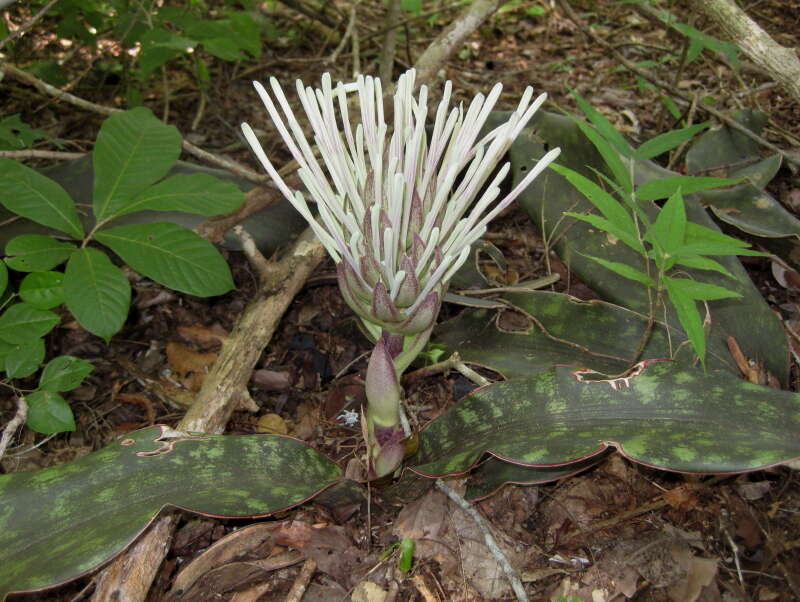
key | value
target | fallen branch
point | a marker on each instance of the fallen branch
(781, 63)
(40, 154)
(17, 421)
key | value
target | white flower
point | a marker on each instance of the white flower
(390, 212)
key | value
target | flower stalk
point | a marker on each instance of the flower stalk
(398, 212)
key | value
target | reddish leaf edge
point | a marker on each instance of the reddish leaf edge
(165, 429)
(604, 446)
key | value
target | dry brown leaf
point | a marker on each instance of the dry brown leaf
(272, 380)
(272, 423)
(366, 591)
(248, 543)
(448, 535)
(329, 546)
(206, 337)
(189, 365)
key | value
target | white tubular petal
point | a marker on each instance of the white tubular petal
(375, 222)
(398, 280)
(252, 140)
(526, 117)
(456, 265)
(531, 175)
(430, 246)
(388, 255)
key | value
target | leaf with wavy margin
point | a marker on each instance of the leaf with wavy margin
(60, 522)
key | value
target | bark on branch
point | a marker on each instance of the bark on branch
(780, 62)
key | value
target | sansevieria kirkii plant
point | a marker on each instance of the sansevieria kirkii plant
(397, 211)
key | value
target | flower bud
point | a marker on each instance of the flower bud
(382, 387)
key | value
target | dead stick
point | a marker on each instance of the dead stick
(17, 421)
(301, 582)
(45, 88)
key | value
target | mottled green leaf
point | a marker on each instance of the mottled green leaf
(64, 373)
(49, 413)
(133, 150)
(22, 322)
(198, 193)
(30, 194)
(492, 474)
(96, 292)
(42, 289)
(666, 416)
(567, 331)
(171, 255)
(59, 522)
(36, 252)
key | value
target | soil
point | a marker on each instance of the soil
(617, 531)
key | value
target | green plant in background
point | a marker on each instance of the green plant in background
(133, 154)
(156, 35)
(669, 242)
(393, 218)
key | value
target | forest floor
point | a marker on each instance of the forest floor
(618, 531)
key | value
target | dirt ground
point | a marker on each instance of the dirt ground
(617, 531)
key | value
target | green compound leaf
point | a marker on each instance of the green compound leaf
(22, 322)
(133, 150)
(30, 194)
(96, 292)
(36, 253)
(22, 359)
(49, 413)
(666, 187)
(624, 270)
(63, 373)
(665, 416)
(667, 141)
(171, 255)
(42, 289)
(60, 522)
(198, 193)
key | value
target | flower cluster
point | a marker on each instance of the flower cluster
(397, 212)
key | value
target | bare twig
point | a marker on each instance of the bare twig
(17, 421)
(679, 94)
(351, 25)
(453, 37)
(488, 538)
(40, 154)
(258, 262)
(454, 362)
(301, 582)
(781, 63)
(390, 40)
(76, 101)
(27, 25)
